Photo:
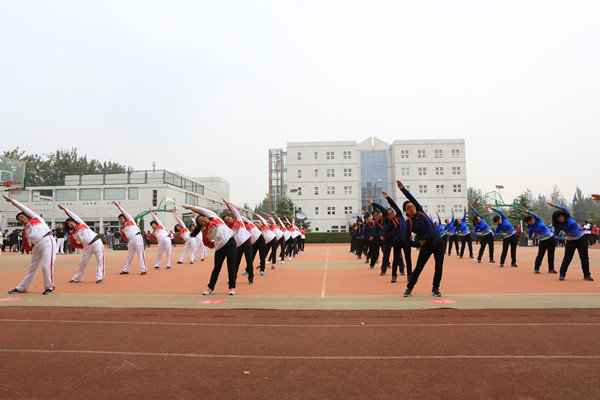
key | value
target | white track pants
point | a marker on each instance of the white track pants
(135, 246)
(60, 244)
(203, 251)
(164, 247)
(43, 255)
(97, 250)
(187, 249)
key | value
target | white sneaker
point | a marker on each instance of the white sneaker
(283, 262)
(232, 292)
(207, 292)
(290, 258)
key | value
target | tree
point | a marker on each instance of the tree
(578, 208)
(285, 208)
(50, 169)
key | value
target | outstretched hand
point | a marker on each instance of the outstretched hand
(550, 204)
(61, 207)
(471, 206)
(186, 207)
(7, 198)
(386, 195)
(524, 209)
(400, 185)
(370, 201)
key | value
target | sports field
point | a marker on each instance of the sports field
(321, 326)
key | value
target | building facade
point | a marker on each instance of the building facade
(332, 181)
(277, 177)
(91, 197)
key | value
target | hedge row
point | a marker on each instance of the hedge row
(327, 237)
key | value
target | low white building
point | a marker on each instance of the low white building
(91, 197)
(331, 181)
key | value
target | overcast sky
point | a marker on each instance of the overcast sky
(207, 87)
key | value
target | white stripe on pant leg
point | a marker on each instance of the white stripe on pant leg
(86, 254)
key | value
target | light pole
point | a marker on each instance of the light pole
(500, 187)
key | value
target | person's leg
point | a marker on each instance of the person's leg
(505, 245)
(407, 258)
(374, 252)
(86, 254)
(438, 255)
(513, 250)
(48, 245)
(238, 257)
(168, 251)
(231, 270)
(249, 265)
(219, 258)
(424, 255)
(36, 259)
(98, 251)
(551, 249)
(186, 250)
(569, 252)
(491, 246)
(387, 249)
(262, 252)
(463, 243)
(160, 249)
(130, 253)
(540, 256)
(482, 243)
(582, 249)
(470, 244)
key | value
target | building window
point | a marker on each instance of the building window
(330, 210)
(89, 194)
(347, 155)
(405, 171)
(441, 209)
(330, 173)
(347, 189)
(439, 188)
(114, 194)
(426, 209)
(455, 170)
(334, 228)
(329, 155)
(457, 188)
(439, 170)
(316, 190)
(422, 188)
(66, 194)
(458, 208)
(347, 171)
(316, 210)
(316, 155)
(299, 173)
(133, 193)
(438, 153)
(316, 173)
(299, 156)
(407, 187)
(154, 198)
(330, 189)
(403, 153)
(455, 153)
(347, 209)
(421, 154)
(299, 192)
(422, 171)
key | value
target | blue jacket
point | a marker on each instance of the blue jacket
(570, 226)
(440, 227)
(450, 227)
(539, 228)
(393, 228)
(481, 228)
(420, 224)
(463, 229)
(504, 228)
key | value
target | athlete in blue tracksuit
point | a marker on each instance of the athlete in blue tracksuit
(442, 230)
(462, 230)
(509, 237)
(452, 236)
(486, 236)
(427, 236)
(538, 228)
(562, 221)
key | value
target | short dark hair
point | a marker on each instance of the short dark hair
(121, 215)
(67, 223)
(496, 218)
(527, 218)
(153, 222)
(405, 204)
(555, 216)
(21, 213)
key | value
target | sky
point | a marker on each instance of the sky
(207, 87)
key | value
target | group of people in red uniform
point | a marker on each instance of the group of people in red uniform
(232, 238)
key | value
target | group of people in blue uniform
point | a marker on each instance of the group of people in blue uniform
(396, 231)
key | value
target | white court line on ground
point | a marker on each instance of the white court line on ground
(325, 274)
(357, 325)
(416, 357)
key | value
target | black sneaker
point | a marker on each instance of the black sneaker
(394, 279)
(478, 261)
(402, 273)
(156, 267)
(514, 265)
(372, 267)
(123, 273)
(169, 267)
(98, 280)
(492, 262)
(367, 261)
(179, 262)
(382, 274)
(588, 278)
(552, 271)
(501, 265)
(48, 291)
(537, 271)
(191, 262)
(561, 278)
(74, 281)
(408, 292)
(250, 282)
(436, 292)
(143, 273)
(15, 290)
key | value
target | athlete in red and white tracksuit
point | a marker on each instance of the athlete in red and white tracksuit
(82, 237)
(198, 246)
(43, 254)
(163, 241)
(132, 234)
(286, 240)
(269, 240)
(279, 240)
(258, 243)
(216, 235)
(242, 239)
(183, 234)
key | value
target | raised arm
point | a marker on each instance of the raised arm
(409, 196)
(28, 211)
(379, 207)
(156, 219)
(280, 223)
(179, 221)
(201, 210)
(264, 221)
(271, 218)
(71, 214)
(393, 204)
(563, 209)
(465, 216)
(439, 219)
(234, 211)
(475, 211)
(124, 211)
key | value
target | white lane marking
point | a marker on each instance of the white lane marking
(415, 357)
(325, 274)
(357, 325)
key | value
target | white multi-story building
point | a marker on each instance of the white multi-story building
(332, 181)
(91, 197)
